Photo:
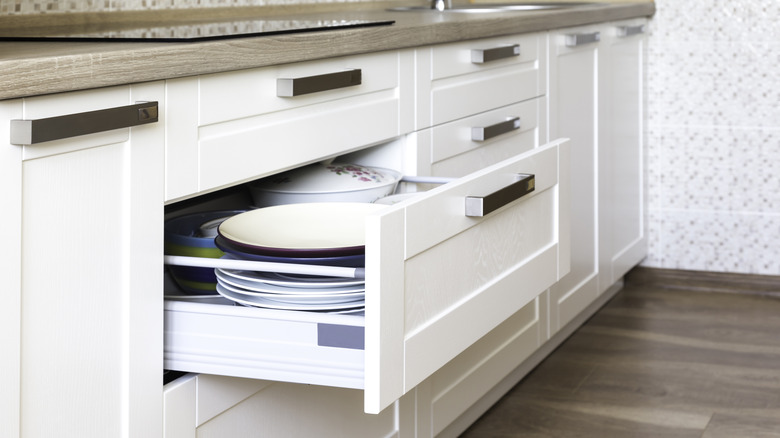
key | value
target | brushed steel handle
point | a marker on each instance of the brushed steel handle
(579, 39)
(25, 132)
(487, 132)
(291, 87)
(481, 56)
(625, 31)
(479, 206)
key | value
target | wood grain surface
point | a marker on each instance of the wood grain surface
(34, 68)
(657, 361)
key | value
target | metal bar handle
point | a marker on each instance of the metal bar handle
(625, 31)
(25, 132)
(291, 87)
(479, 206)
(487, 132)
(481, 56)
(579, 39)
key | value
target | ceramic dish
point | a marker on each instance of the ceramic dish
(182, 237)
(262, 302)
(295, 298)
(335, 182)
(292, 281)
(323, 229)
(350, 261)
(258, 286)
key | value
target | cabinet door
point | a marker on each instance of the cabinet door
(437, 280)
(621, 162)
(91, 245)
(573, 108)
(10, 271)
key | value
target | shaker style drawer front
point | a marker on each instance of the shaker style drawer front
(459, 58)
(458, 86)
(432, 273)
(235, 95)
(233, 127)
(455, 152)
(249, 148)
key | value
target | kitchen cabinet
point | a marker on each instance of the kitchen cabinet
(82, 288)
(596, 99)
(622, 238)
(456, 305)
(574, 99)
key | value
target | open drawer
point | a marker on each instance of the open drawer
(436, 282)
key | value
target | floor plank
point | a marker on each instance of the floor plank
(655, 362)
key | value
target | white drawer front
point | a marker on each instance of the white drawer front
(247, 93)
(458, 87)
(454, 152)
(455, 278)
(249, 148)
(228, 128)
(456, 59)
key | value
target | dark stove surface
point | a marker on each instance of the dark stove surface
(191, 32)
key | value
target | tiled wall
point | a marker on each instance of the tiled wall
(714, 136)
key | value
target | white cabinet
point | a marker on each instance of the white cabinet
(82, 287)
(573, 97)
(622, 238)
(596, 99)
(454, 303)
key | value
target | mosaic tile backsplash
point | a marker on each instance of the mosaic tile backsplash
(714, 136)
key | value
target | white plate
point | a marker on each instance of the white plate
(261, 302)
(295, 299)
(306, 230)
(290, 280)
(258, 286)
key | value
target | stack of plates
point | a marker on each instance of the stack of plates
(326, 234)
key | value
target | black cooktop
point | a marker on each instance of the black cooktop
(191, 32)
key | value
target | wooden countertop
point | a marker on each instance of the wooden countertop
(34, 68)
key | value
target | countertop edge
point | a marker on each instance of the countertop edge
(36, 68)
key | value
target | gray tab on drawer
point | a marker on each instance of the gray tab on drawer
(341, 336)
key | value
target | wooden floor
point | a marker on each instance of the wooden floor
(655, 362)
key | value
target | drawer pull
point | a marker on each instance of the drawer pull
(25, 132)
(625, 31)
(580, 39)
(481, 56)
(488, 132)
(479, 206)
(291, 87)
